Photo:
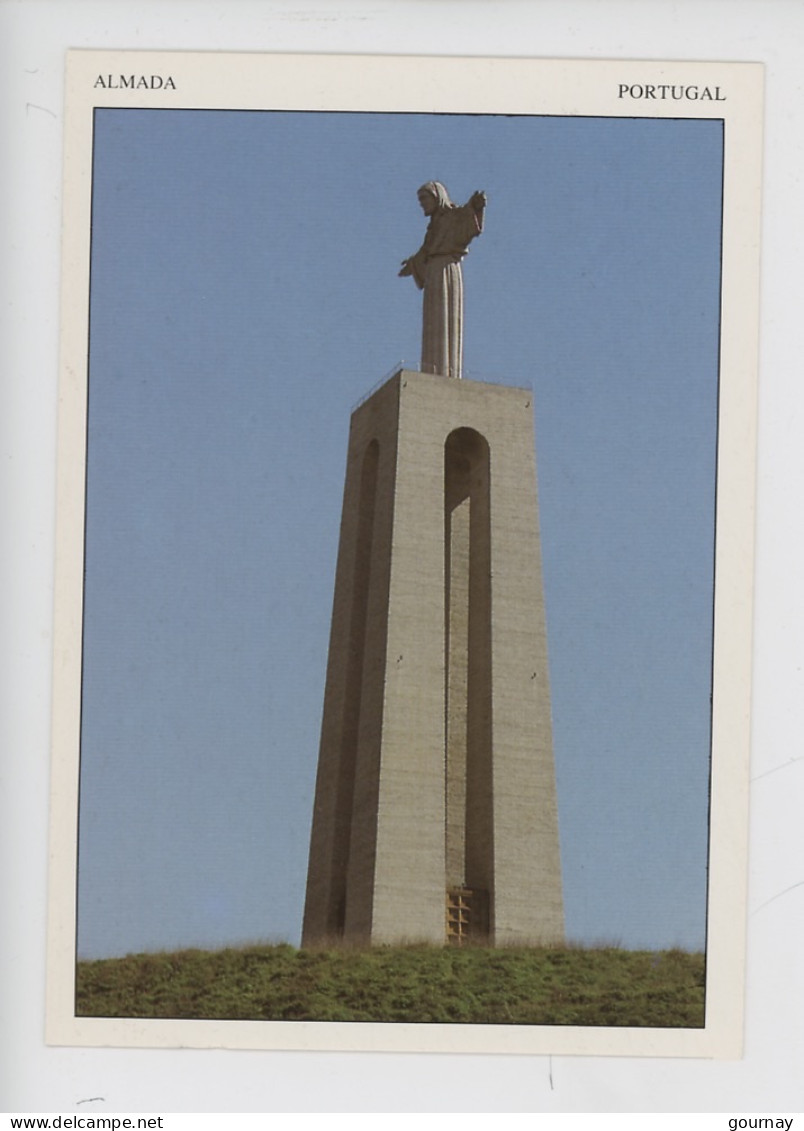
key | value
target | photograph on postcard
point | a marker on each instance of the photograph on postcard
(399, 566)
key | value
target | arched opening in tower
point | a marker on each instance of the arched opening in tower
(356, 662)
(468, 821)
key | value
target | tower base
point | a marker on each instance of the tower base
(435, 813)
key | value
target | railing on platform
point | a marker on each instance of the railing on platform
(392, 372)
(469, 375)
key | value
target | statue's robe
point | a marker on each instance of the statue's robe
(436, 269)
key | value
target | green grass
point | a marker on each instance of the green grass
(475, 985)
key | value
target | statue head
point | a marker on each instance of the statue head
(433, 197)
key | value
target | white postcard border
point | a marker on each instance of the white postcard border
(523, 86)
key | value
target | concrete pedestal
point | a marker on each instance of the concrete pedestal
(435, 813)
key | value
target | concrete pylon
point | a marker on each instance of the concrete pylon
(435, 813)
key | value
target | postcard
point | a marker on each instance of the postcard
(405, 550)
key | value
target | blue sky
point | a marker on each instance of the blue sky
(244, 296)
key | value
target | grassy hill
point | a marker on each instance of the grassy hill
(472, 985)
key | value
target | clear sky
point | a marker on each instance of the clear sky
(244, 296)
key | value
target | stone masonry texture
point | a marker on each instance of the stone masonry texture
(436, 763)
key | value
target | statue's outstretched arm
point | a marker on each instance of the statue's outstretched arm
(478, 201)
(415, 267)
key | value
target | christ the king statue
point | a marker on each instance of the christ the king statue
(436, 270)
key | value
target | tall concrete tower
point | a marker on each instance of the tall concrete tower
(435, 811)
